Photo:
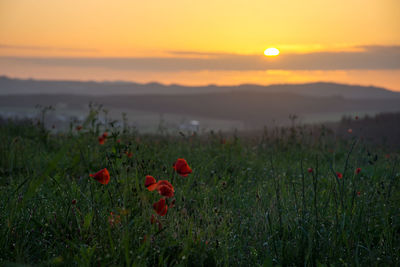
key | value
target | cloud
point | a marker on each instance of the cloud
(46, 48)
(370, 58)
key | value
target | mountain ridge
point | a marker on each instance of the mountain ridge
(13, 86)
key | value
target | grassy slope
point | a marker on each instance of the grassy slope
(248, 201)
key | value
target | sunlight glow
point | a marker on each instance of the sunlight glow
(270, 52)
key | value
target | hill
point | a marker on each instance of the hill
(18, 86)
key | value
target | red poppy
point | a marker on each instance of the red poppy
(129, 154)
(182, 168)
(165, 191)
(150, 183)
(160, 207)
(165, 182)
(102, 140)
(358, 170)
(310, 170)
(358, 193)
(339, 175)
(105, 134)
(78, 128)
(102, 176)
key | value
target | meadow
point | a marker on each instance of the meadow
(286, 197)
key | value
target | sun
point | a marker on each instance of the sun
(271, 52)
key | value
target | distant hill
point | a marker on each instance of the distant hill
(9, 86)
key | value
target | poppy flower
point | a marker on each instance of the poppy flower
(310, 170)
(102, 176)
(339, 175)
(165, 182)
(160, 207)
(181, 167)
(358, 170)
(78, 128)
(358, 193)
(150, 183)
(129, 154)
(104, 135)
(165, 191)
(102, 140)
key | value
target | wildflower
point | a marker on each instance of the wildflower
(129, 154)
(102, 176)
(73, 202)
(104, 135)
(102, 140)
(78, 128)
(160, 207)
(150, 183)
(182, 168)
(165, 191)
(339, 175)
(358, 170)
(310, 170)
(166, 183)
(118, 141)
(358, 193)
(114, 219)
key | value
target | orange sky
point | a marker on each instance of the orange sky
(152, 29)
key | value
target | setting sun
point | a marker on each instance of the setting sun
(270, 52)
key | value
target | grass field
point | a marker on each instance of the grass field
(275, 199)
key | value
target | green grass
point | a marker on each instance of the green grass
(250, 201)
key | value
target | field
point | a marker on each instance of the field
(288, 196)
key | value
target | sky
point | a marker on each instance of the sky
(202, 42)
